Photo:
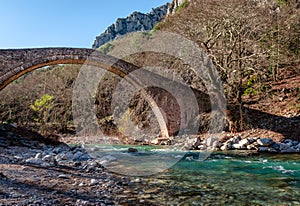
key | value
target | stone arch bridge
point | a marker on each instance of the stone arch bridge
(17, 62)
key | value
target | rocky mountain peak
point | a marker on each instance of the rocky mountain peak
(137, 21)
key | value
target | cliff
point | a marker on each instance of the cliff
(135, 22)
(172, 7)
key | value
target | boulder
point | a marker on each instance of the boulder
(284, 146)
(236, 139)
(244, 142)
(34, 161)
(252, 147)
(48, 158)
(132, 150)
(289, 150)
(78, 154)
(226, 146)
(263, 149)
(295, 143)
(276, 146)
(38, 156)
(236, 146)
(288, 141)
(265, 142)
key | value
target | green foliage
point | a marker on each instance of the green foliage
(251, 81)
(250, 90)
(282, 2)
(181, 6)
(106, 48)
(155, 28)
(41, 107)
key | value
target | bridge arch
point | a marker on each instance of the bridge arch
(16, 62)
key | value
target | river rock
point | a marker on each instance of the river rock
(64, 156)
(272, 150)
(35, 161)
(84, 157)
(226, 146)
(77, 155)
(236, 146)
(265, 142)
(295, 143)
(38, 156)
(284, 146)
(263, 149)
(244, 142)
(288, 142)
(276, 146)
(63, 176)
(132, 150)
(252, 147)
(93, 182)
(61, 148)
(202, 147)
(236, 139)
(290, 150)
(48, 158)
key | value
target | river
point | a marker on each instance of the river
(218, 179)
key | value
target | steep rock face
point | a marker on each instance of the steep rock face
(135, 22)
(174, 5)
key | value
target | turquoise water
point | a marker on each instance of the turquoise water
(217, 179)
(223, 179)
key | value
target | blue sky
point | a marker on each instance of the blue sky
(62, 23)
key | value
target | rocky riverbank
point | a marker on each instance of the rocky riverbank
(225, 143)
(36, 172)
(253, 143)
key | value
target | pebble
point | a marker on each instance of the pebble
(38, 156)
(48, 158)
(263, 149)
(63, 176)
(94, 181)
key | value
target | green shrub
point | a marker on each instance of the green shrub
(106, 48)
(155, 28)
(282, 2)
(250, 90)
(42, 107)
